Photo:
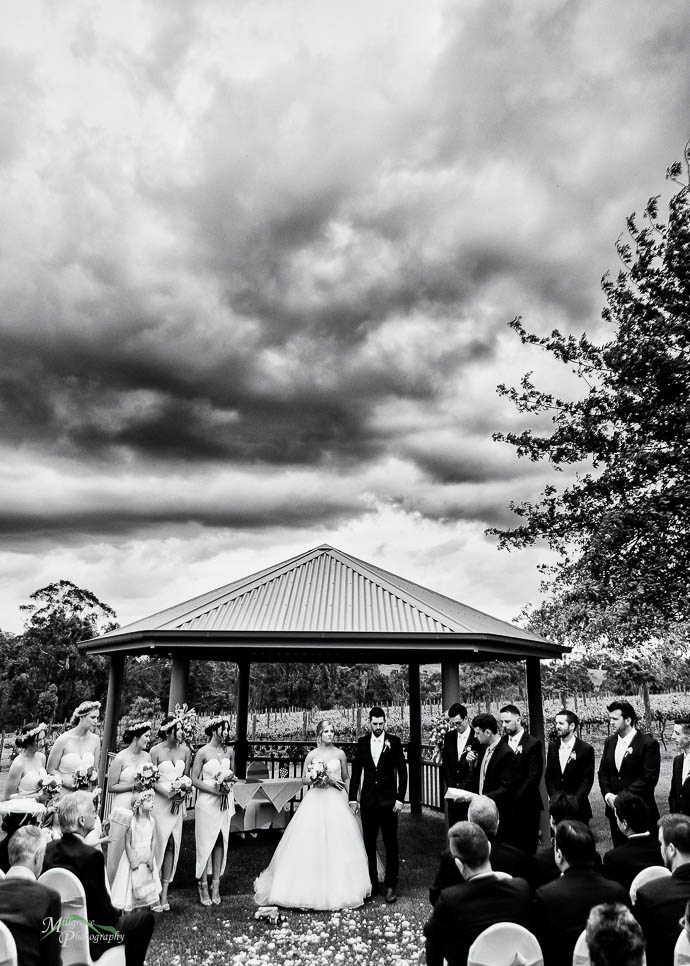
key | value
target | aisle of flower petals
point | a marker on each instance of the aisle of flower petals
(361, 937)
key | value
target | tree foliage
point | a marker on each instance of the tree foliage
(622, 527)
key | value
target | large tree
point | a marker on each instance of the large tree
(621, 523)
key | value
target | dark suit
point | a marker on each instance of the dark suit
(639, 774)
(679, 796)
(456, 772)
(624, 862)
(522, 825)
(499, 781)
(88, 864)
(464, 911)
(382, 785)
(29, 910)
(576, 779)
(544, 868)
(658, 908)
(561, 909)
(504, 858)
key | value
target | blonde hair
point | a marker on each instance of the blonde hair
(321, 727)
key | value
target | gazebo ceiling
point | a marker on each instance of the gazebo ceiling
(326, 605)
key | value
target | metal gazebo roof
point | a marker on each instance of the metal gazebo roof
(327, 601)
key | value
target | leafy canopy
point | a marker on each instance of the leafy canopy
(622, 526)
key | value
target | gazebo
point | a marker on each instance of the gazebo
(323, 605)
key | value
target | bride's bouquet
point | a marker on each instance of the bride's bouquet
(224, 779)
(318, 776)
(181, 786)
(147, 776)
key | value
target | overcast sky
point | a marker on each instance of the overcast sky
(257, 261)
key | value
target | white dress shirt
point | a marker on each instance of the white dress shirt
(686, 767)
(514, 740)
(622, 746)
(377, 747)
(565, 750)
(463, 738)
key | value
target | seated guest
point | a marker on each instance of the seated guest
(77, 816)
(614, 937)
(465, 910)
(660, 905)
(504, 858)
(640, 849)
(562, 906)
(30, 910)
(543, 867)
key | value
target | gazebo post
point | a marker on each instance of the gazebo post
(112, 711)
(414, 752)
(450, 683)
(179, 678)
(535, 704)
(241, 743)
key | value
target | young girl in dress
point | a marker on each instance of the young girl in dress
(137, 883)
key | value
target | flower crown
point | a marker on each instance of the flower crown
(139, 727)
(86, 707)
(216, 722)
(169, 725)
(138, 800)
(34, 732)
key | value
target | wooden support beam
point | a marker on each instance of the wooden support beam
(179, 679)
(414, 754)
(535, 703)
(241, 743)
(112, 713)
(450, 683)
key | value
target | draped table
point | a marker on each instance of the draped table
(262, 804)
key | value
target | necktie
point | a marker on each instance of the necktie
(485, 762)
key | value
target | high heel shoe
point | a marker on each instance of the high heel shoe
(204, 897)
(215, 892)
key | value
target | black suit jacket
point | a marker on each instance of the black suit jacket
(456, 772)
(544, 869)
(577, 778)
(29, 910)
(464, 911)
(624, 862)
(562, 907)
(88, 864)
(499, 783)
(382, 784)
(504, 858)
(679, 796)
(658, 907)
(639, 770)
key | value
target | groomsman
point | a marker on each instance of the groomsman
(631, 760)
(494, 770)
(527, 803)
(679, 796)
(570, 764)
(380, 763)
(459, 741)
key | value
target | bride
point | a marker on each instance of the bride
(320, 862)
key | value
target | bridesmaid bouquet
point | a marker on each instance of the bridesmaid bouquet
(51, 786)
(224, 779)
(180, 786)
(147, 775)
(85, 779)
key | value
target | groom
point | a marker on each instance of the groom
(379, 757)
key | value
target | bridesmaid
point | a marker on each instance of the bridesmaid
(28, 768)
(121, 782)
(211, 822)
(173, 759)
(77, 748)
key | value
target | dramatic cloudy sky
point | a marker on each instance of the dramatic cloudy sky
(256, 264)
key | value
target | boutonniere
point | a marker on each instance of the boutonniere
(628, 751)
(571, 757)
(387, 745)
(518, 750)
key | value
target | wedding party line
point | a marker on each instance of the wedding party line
(499, 864)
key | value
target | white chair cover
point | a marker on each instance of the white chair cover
(505, 944)
(581, 952)
(8, 948)
(681, 954)
(647, 875)
(74, 935)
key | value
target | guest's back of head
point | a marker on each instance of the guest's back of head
(71, 808)
(27, 847)
(632, 811)
(468, 842)
(614, 937)
(484, 813)
(575, 841)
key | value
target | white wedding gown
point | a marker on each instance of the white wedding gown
(320, 862)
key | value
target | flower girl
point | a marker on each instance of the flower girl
(136, 881)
